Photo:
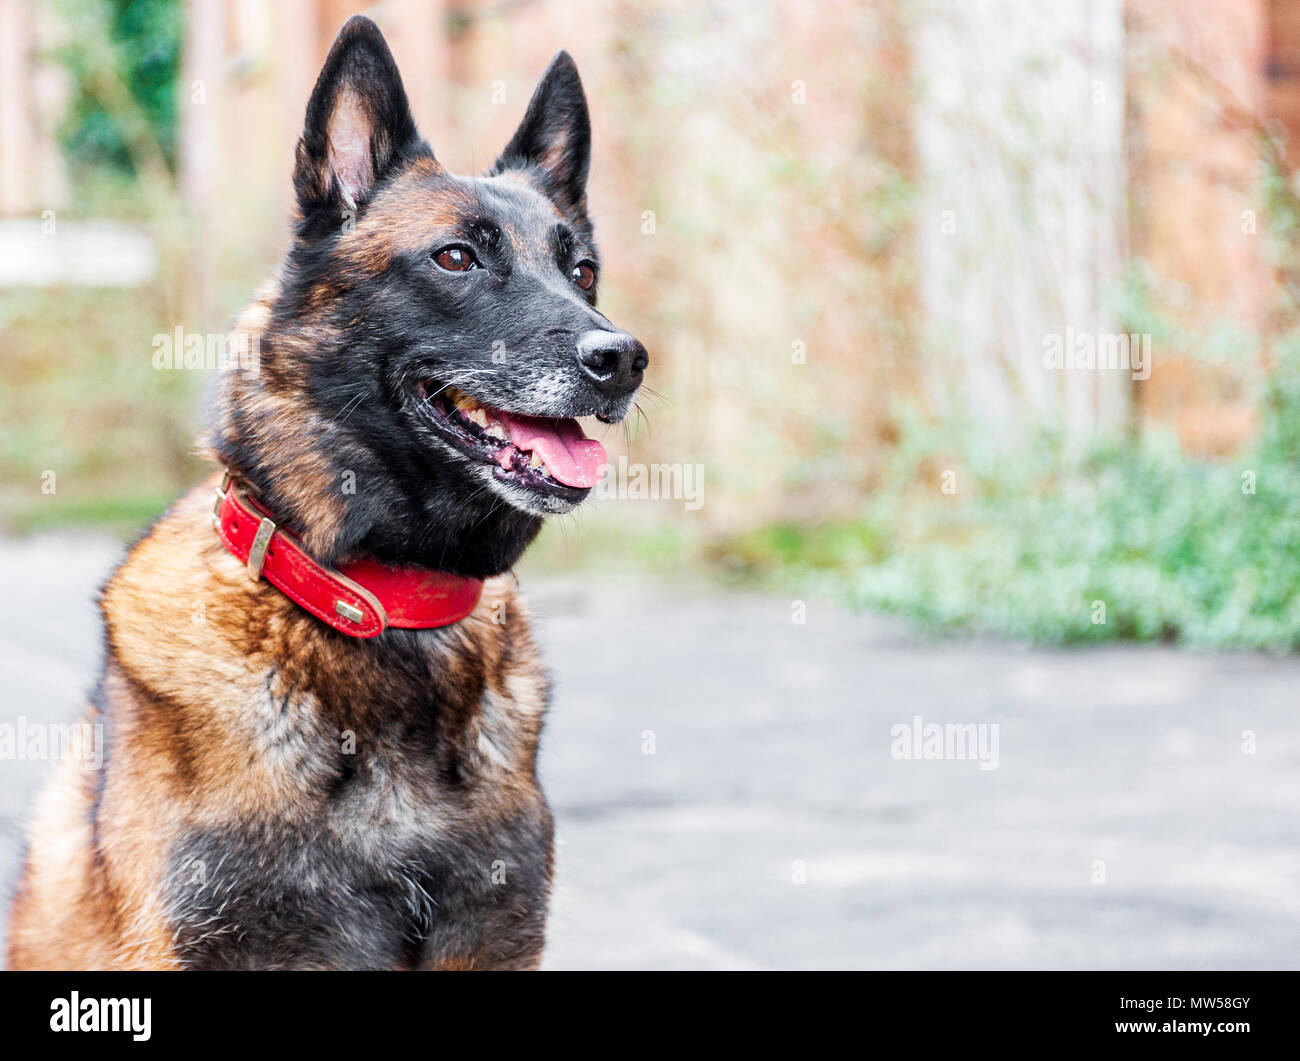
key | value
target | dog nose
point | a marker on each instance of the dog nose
(613, 361)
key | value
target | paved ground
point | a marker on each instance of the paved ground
(772, 828)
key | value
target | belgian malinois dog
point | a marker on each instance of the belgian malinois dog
(321, 698)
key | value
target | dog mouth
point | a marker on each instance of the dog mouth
(545, 455)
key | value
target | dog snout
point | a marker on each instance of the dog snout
(614, 362)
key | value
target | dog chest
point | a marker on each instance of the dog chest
(465, 891)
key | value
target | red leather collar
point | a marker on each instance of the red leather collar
(361, 599)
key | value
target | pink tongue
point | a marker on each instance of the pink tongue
(572, 457)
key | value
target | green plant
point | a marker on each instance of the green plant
(139, 54)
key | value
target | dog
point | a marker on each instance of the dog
(321, 699)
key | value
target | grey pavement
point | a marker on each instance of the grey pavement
(1128, 824)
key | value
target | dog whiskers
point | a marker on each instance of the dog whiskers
(351, 407)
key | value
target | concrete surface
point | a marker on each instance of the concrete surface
(1125, 826)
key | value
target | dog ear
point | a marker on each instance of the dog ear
(555, 137)
(358, 125)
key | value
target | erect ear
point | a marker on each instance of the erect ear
(555, 137)
(358, 124)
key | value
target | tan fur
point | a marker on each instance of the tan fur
(207, 677)
(232, 716)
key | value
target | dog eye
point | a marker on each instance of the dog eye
(584, 275)
(456, 259)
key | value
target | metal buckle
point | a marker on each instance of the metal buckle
(257, 551)
(220, 491)
(343, 608)
(261, 540)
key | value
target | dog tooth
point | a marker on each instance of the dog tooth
(534, 461)
(463, 401)
(477, 415)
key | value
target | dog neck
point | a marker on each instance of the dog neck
(422, 515)
(344, 494)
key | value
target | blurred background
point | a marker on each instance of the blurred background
(850, 234)
(844, 231)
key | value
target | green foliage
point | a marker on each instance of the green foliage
(1127, 539)
(1174, 548)
(143, 54)
(785, 546)
(82, 398)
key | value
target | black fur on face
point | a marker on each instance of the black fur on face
(409, 291)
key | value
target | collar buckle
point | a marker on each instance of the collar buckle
(257, 551)
(362, 599)
(220, 499)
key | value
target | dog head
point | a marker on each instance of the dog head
(434, 335)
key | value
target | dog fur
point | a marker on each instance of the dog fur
(275, 794)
